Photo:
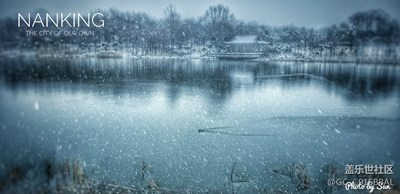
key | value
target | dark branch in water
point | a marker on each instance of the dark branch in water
(233, 168)
(331, 117)
(211, 130)
(295, 74)
(237, 178)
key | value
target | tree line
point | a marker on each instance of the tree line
(172, 34)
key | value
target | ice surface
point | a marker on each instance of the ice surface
(191, 121)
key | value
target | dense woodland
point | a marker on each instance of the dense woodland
(373, 33)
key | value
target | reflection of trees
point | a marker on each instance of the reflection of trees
(210, 78)
(118, 76)
(354, 82)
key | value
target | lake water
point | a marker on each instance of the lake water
(190, 120)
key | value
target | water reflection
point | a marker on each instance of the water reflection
(355, 82)
(114, 114)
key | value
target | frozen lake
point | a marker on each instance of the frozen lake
(190, 120)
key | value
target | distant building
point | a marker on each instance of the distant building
(245, 44)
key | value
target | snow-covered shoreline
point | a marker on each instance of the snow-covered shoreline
(358, 61)
(115, 55)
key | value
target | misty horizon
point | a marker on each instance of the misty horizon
(314, 14)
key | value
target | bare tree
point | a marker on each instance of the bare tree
(172, 24)
(218, 22)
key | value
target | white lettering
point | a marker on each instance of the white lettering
(38, 20)
(23, 19)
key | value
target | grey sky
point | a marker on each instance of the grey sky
(309, 13)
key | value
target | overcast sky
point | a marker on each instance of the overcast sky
(309, 13)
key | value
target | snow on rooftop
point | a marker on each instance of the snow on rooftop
(244, 39)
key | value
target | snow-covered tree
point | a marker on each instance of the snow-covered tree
(219, 23)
